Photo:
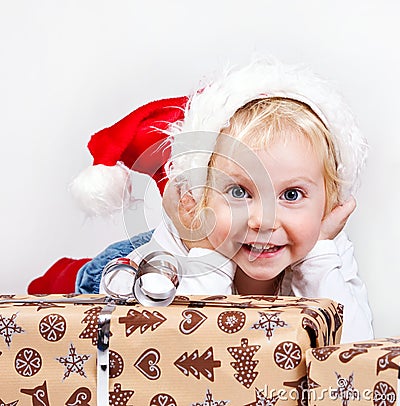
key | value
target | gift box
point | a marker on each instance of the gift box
(236, 350)
(362, 373)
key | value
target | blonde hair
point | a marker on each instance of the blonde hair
(261, 122)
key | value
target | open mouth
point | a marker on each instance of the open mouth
(259, 249)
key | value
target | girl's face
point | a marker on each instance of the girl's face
(267, 216)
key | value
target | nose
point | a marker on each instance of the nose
(261, 216)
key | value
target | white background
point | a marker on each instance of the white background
(71, 68)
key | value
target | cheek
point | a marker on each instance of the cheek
(305, 232)
(311, 232)
(219, 237)
(227, 224)
(230, 226)
(219, 224)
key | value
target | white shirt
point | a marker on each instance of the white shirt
(328, 271)
(202, 271)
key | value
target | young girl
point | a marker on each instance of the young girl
(263, 164)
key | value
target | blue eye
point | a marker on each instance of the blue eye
(292, 195)
(237, 192)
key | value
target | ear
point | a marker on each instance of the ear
(179, 206)
(186, 208)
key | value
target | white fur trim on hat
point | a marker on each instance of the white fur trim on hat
(102, 190)
(211, 107)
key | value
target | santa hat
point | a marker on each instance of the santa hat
(210, 110)
(194, 123)
(137, 142)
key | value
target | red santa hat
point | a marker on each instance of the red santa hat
(170, 137)
(137, 142)
(210, 110)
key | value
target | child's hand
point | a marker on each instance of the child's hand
(334, 222)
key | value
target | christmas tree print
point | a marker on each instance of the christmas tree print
(8, 327)
(119, 397)
(209, 401)
(198, 365)
(143, 320)
(92, 321)
(244, 364)
(268, 322)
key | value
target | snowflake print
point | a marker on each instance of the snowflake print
(73, 362)
(268, 322)
(262, 400)
(231, 320)
(8, 327)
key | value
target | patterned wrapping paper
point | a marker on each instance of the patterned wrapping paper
(361, 373)
(236, 350)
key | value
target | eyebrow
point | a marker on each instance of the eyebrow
(245, 176)
(297, 179)
(238, 176)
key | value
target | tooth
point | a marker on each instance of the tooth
(262, 246)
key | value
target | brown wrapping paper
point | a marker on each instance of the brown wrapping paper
(362, 373)
(236, 350)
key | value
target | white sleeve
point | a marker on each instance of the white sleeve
(330, 270)
(206, 272)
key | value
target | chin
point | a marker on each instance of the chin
(259, 273)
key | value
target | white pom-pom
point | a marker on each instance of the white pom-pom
(102, 190)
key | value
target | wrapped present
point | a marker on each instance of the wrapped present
(362, 373)
(236, 350)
